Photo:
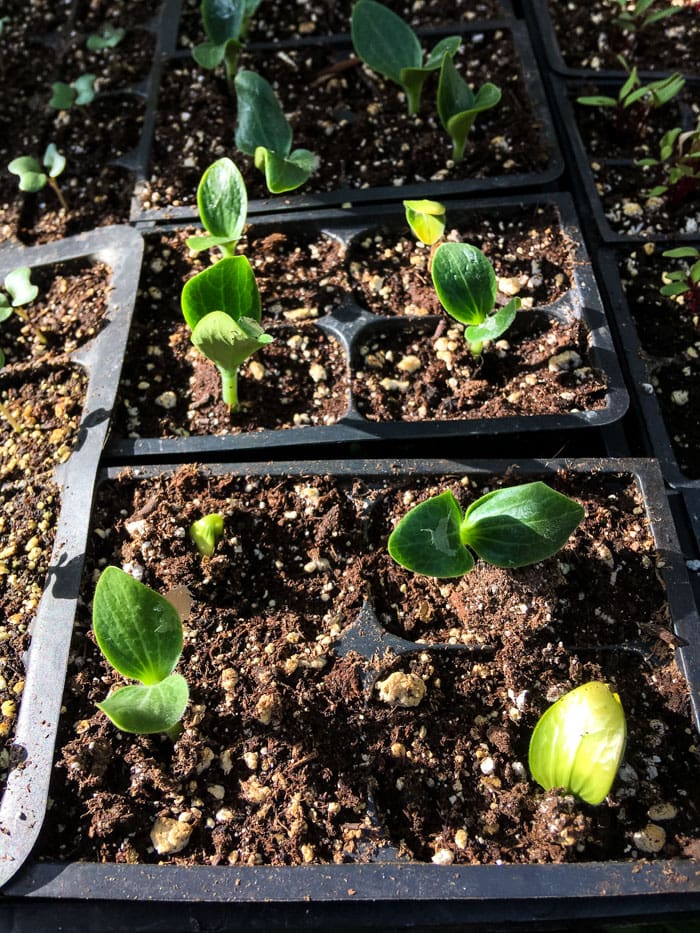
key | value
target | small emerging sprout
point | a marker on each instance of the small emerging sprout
(264, 132)
(467, 288)
(19, 291)
(222, 308)
(140, 634)
(678, 165)
(79, 92)
(510, 527)
(226, 24)
(638, 17)
(388, 45)
(31, 176)
(426, 219)
(222, 200)
(109, 38)
(458, 106)
(684, 281)
(579, 741)
(205, 532)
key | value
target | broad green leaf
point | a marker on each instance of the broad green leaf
(464, 281)
(53, 161)
(84, 89)
(520, 525)
(18, 284)
(206, 531)
(285, 174)
(109, 38)
(448, 46)
(222, 200)
(494, 325)
(674, 288)
(458, 106)
(209, 55)
(427, 539)
(383, 40)
(261, 120)
(413, 79)
(578, 743)
(227, 286)
(137, 629)
(227, 342)
(681, 252)
(31, 178)
(222, 19)
(148, 709)
(426, 219)
(63, 96)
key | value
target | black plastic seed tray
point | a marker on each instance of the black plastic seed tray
(391, 891)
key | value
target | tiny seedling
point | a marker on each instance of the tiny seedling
(467, 288)
(226, 24)
(426, 219)
(635, 101)
(222, 200)
(684, 281)
(222, 308)
(109, 38)
(678, 164)
(205, 532)
(79, 92)
(510, 527)
(31, 176)
(3, 21)
(18, 291)
(264, 132)
(458, 106)
(140, 634)
(578, 743)
(634, 19)
(388, 45)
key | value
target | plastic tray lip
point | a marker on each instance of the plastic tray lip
(353, 427)
(658, 435)
(590, 204)
(23, 801)
(525, 180)
(539, 19)
(389, 880)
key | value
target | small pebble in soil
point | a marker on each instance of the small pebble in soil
(443, 857)
(401, 689)
(662, 811)
(566, 361)
(170, 836)
(650, 839)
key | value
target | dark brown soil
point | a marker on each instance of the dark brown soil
(668, 332)
(287, 748)
(588, 38)
(357, 125)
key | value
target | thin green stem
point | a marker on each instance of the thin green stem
(229, 387)
(175, 731)
(59, 193)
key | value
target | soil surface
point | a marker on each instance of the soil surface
(668, 333)
(290, 756)
(357, 124)
(588, 37)
(411, 371)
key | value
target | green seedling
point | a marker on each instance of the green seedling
(640, 15)
(18, 291)
(467, 288)
(140, 634)
(31, 176)
(222, 308)
(579, 741)
(635, 101)
(205, 532)
(684, 281)
(508, 528)
(222, 200)
(678, 164)
(264, 132)
(226, 24)
(109, 38)
(426, 219)
(79, 92)
(458, 106)
(388, 45)
(3, 20)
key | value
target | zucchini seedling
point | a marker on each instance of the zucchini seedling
(264, 132)
(578, 743)
(31, 176)
(222, 308)
(205, 532)
(140, 634)
(510, 527)
(388, 45)
(466, 285)
(226, 24)
(222, 201)
(458, 106)
(426, 219)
